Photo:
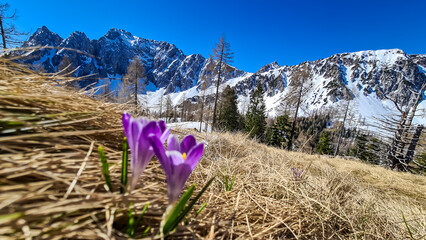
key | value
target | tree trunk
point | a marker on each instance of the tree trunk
(2, 34)
(408, 123)
(208, 118)
(217, 88)
(396, 155)
(201, 114)
(342, 130)
(161, 105)
(293, 127)
(136, 95)
(413, 144)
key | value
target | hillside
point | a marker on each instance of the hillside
(52, 187)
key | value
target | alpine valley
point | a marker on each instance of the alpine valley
(368, 78)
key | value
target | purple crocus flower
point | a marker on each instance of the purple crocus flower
(137, 131)
(297, 173)
(178, 161)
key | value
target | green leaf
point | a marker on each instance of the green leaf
(232, 183)
(105, 168)
(146, 231)
(169, 225)
(201, 209)
(191, 204)
(138, 222)
(124, 164)
(131, 225)
(408, 227)
(9, 217)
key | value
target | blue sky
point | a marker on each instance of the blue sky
(260, 32)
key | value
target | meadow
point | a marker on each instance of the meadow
(51, 184)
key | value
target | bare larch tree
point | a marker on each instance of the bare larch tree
(223, 55)
(9, 34)
(205, 83)
(298, 88)
(403, 132)
(135, 79)
(342, 128)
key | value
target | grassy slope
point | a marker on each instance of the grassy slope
(57, 132)
(336, 198)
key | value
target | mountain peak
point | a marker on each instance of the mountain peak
(78, 34)
(43, 36)
(115, 32)
(268, 67)
(42, 29)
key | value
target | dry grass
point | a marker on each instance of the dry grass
(49, 135)
(335, 199)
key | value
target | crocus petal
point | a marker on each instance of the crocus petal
(165, 134)
(127, 119)
(162, 125)
(188, 142)
(144, 155)
(176, 182)
(151, 129)
(160, 152)
(175, 158)
(194, 156)
(173, 143)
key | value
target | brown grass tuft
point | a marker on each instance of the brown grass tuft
(49, 136)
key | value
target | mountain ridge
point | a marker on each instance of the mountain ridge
(387, 73)
(165, 64)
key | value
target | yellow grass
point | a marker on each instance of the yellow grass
(51, 185)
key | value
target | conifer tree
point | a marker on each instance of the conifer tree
(255, 123)
(367, 148)
(280, 132)
(229, 117)
(324, 144)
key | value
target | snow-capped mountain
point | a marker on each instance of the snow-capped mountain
(387, 73)
(368, 77)
(108, 57)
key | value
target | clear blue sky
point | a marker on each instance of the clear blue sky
(260, 32)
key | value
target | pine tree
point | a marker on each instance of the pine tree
(222, 55)
(256, 117)
(361, 146)
(367, 148)
(373, 151)
(324, 144)
(229, 117)
(279, 132)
